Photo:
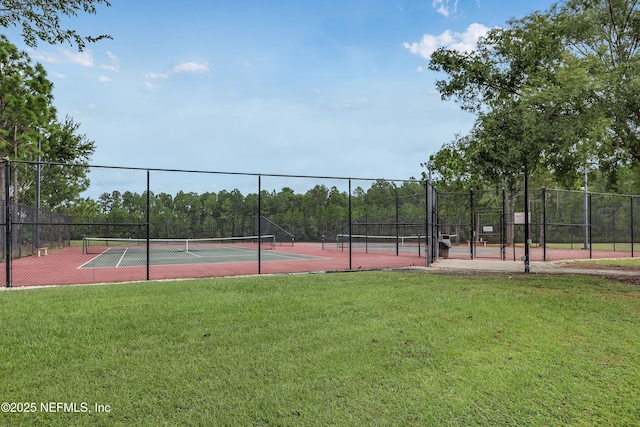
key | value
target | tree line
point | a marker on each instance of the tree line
(307, 216)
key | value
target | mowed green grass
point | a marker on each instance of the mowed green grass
(368, 348)
(627, 263)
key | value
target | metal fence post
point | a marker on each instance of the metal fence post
(427, 246)
(526, 222)
(38, 179)
(544, 223)
(8, 219)
(587, 213)
(397, 221)
(259, 224)
(350, 230)
(503, 227)
(148, 224)
(590, 229)
(632, 236)
(472, 235)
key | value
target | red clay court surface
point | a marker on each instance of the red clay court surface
(61, 267)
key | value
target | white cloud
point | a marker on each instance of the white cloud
(90, 106)
(156, 75)
(58, 75)
(65, 56)
(462, 42)
(150, 87)
(115, 63)
(185, 67)
(445, 7)
(347, 104)
(190, 67)
(104, 79)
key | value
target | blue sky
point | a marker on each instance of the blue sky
(330, 88)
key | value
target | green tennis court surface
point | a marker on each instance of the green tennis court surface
(136, 256)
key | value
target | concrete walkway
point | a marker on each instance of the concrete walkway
(517, 267)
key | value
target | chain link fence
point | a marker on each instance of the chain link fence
(562, 224)
(134, 224)
(93, 224)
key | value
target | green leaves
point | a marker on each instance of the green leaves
(27, 120)
(556, 90)
(40, 20)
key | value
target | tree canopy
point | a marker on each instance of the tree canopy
(40, 20)
(555, 91)
(30, 129)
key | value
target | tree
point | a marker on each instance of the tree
(40, 20)
(568, 78)
(28, 120)
(604, 36)
(448, 169)
(60, 185)
(25, 109)
(502, 82)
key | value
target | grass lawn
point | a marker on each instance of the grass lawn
(370, 348)
(627, 263)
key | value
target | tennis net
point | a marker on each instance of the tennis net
(382, 243)
(98, 245)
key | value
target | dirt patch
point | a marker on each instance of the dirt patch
(594, 266)
(585, 269)
(624, 278)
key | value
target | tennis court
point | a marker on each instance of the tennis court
(111, 252)
(101, 260)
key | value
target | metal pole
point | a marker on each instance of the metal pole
(38, 178)
(148, 225)
(586, 210)
(589, 227)
(544, 223)
(526, 221)
(397, 220)
(426, 225)
(631, 225)
(350, 230)
(259, 224)
(613, 221)
(503, 227)
(7, 218)
(472, 236)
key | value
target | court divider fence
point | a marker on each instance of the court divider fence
(311, 224)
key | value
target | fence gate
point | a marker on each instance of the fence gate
(475, 222)
(488, 222)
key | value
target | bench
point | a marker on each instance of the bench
(44, 249)
(484, 242)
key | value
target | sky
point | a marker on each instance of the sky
(336, 88)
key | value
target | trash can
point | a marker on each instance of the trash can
(444, 244)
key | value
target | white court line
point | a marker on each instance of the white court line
(95, 257)
(122, 257)
(223, 258)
